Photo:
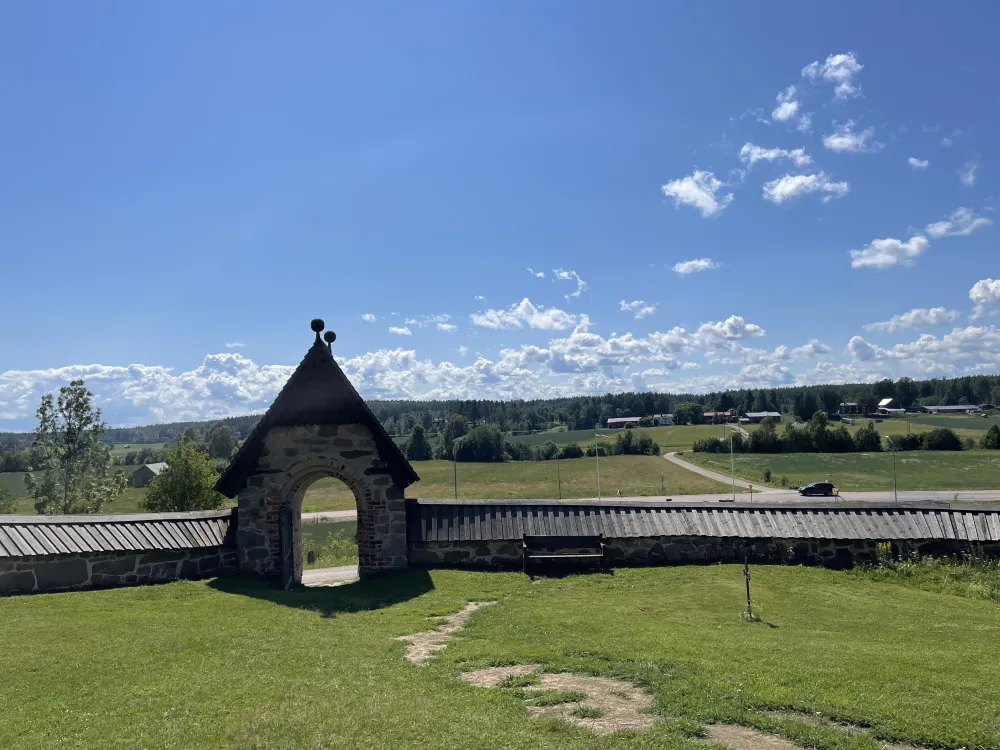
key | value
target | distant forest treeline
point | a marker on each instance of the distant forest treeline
(584, 412)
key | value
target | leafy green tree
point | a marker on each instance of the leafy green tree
(941, 439)
(187, 483)
(867, 439)
(688, 413)
(906, 392)
(482, 443)
(806, 405)
(72, 463)
(457, 426)
(571, 450)
(418, 449)
(220, 442)
(991, 440)
(8, 501)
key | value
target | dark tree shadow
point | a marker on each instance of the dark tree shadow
(329, 601)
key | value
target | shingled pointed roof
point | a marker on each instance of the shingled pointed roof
(317, 393)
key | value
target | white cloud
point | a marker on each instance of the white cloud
(750, 154)
(463, 350)
(844, 140)
(733, 328)
(537, 274)
(787, 107)
(400, 330)
(368, 318)
(889, 252)
(479, 298)
(968, 173)
(807, 351)
(961, 223)
(973, 348)
(686, 267)
(234, 344)
(985, 294)
(949, 140)
(699, 190)
(916, 318)
(446, 327)
(839, 70)
(805, 123)
(524, 313)
(918, 163)
(564, 275)
(640, 308)
(790, 186)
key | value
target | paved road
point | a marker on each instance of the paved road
(330, 515)
(330, 576)
(726, 480)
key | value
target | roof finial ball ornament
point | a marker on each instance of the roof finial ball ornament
(329, 337)
(317, 325)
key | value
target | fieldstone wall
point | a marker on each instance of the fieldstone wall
(295, 457)
(663, 550)
(63, 572)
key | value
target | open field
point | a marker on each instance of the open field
(122, 449)
(127, 502)
(862, 472)
(334, 542)
(633, 475)
(231, 663)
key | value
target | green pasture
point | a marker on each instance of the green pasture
(863, 472)
(231, 663)
(334, 542)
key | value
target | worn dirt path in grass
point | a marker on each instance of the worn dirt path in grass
(728, 480)
(608, 705)
(422, 646)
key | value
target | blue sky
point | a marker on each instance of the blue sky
(185, 187)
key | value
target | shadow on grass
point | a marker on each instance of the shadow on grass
(329, 601)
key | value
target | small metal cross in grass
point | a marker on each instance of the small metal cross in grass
(749, 616)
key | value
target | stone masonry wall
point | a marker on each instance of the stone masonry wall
(293, 458)
(683, 550)
(107, 569)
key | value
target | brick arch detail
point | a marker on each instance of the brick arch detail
(295, 457)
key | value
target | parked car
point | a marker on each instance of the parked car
(817, 488)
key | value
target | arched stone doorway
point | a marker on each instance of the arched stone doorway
(317, 426)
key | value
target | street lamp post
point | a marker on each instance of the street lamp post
(892, 450)
(732, 463)
(454, 461)
(597, 455)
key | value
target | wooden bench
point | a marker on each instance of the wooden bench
(557, 549)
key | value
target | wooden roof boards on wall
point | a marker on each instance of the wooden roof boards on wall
(486, 520)
(22, 536)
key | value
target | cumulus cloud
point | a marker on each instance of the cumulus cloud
(790, 186)
(750, 154)
(985, 295)
(734, 328)
(686, 267)
(400, 330)
(807, 351)
(889, 252)
(962, 222)
(700, 191)
(844, 140)
(917, 318)
(564, 275)
(787, 107)
(463, 350)
(479, 298)
(949, 140)
(524, 313)
(441, 322)
(537, 274)
(234, 344)
(638, 307)
(368, 318)
(968, 173)
(967, 348)
(918, 163)
(446, 327)
(839, 70)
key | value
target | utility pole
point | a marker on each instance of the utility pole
(892, 450)
(597, 455)
(558, 479)
(454, 461)
(732, 464)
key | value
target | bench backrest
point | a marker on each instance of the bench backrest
(562, 542)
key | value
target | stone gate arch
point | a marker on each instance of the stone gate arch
(318, 426)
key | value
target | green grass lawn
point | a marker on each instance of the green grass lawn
(127, 502)
(235, 664)
(122, 449)
(633, 475)
(860, 472)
